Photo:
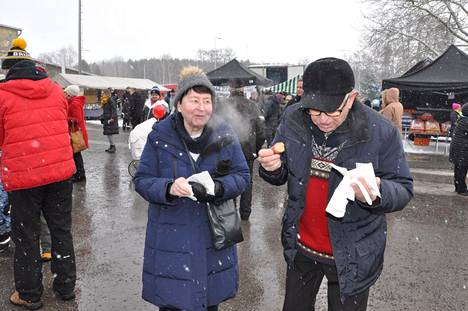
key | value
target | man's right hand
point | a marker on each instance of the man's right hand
(269, 160)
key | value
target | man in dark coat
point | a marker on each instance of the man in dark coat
(272, 113)
(328, 126)
(244, 116)
(136, 103)
(459, 151)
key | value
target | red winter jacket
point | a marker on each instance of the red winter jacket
(34, 138)
(76, 112)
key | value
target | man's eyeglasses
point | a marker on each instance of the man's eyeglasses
(333, 114)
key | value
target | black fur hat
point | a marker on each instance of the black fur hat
(326, 82)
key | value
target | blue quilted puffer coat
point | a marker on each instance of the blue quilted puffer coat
(181, 268)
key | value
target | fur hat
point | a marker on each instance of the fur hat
(72, 90)
(16, 54)
(326, 82)
(190, 77)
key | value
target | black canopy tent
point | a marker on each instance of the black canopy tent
(234, 71)
(434, 86)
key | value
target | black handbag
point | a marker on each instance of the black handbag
(224, 218)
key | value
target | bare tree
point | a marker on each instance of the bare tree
(402, 32)
(68, 55)
(216, 56)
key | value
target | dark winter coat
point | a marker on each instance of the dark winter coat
(459, 145)
(272, 113)
(244, 116)
(109, 118)
(181, 268)
(358, 239)
(136, 103)
(454, 116)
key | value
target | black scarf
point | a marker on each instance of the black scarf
(26, 69)
(196, 145)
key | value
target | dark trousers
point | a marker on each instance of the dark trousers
(303, 283)
(55, 202)
(210, 308)
(460, 177)
(80, 171)
(246, 196)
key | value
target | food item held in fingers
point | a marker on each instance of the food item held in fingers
(278, 148)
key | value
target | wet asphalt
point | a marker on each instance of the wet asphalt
(426, 262)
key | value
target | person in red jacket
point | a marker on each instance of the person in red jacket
(76, 116)
(36, 167)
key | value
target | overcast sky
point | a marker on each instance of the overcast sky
(263, 31)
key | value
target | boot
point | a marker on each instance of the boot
(64, 297)
(111, 149)
(17, 301)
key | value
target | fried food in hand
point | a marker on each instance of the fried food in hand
(278, 148)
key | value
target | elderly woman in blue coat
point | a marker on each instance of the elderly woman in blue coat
(182, 270)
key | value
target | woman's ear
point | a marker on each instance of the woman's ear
(178, 106)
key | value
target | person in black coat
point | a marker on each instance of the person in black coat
(109, 119)
(459, 152)
(136, 103)
(454, 116)
(272, 113)
(329, 126)
(244, 116)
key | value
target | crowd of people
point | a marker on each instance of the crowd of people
(323, 127)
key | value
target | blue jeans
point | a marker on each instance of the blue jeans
(4, 214)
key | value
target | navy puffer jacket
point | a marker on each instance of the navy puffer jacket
(181, 268)
(358, 239)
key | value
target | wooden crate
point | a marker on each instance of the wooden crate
(422, 141)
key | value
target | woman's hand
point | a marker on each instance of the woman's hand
(180, 188)
(269, 160)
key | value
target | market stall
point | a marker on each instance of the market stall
(235, 72)
(92, 85)
(431, 87)
(288, 86)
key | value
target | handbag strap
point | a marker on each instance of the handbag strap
(189, 156)
(218, 149)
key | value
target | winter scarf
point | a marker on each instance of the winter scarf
(196, 145)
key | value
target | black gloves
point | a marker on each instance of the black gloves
(199, 192)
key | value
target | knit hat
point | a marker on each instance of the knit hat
(456, 106)
(190, 77)
(72, 90)
(16, 54)
(155, 90)
(326, 82)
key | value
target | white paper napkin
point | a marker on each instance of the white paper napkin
(205, 179)
(344, 191)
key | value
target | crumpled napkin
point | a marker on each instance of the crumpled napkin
(203, 178)
(344, 192)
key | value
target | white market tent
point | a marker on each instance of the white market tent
(104, 82)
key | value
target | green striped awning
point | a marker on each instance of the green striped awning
(288, 86)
